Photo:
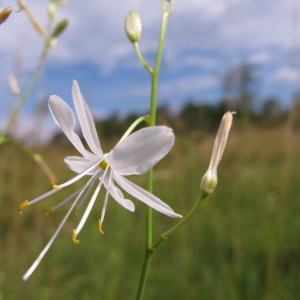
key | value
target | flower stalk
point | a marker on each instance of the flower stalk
(208, 182)
(166, 11)
(47, 45)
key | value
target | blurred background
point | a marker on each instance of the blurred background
(239, 55)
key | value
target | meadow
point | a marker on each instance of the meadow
(243, 243)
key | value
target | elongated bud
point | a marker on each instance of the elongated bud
(133, 26)
(5, 13)
(210, 178)
(35, 23)
(13, 83)
(60, 27)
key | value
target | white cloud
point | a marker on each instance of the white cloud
(96, 30)
(202, 34)
(260, 57)
(287, 74)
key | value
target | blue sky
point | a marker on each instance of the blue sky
(205, 38)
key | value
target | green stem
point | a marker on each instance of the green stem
(164, 236)
(155, 73)
(153, 104)
(141, 59)
(37, 158)
(24, 96)
(134, 124)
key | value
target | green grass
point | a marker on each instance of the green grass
(242, 244)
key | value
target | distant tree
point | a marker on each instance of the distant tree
(294, 114)
(109, 127)
(272, 113)
(200, 116)
(271, 107)
(240, 89)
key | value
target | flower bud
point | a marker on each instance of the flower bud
(14, 86)
(52, 43)
(35, 23)
(60, 27)
(133, 26)
(210, 178)
(5, 13)
(52, 9)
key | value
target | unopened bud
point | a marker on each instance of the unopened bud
(52, 43)
(60, 27)
(133, 26)
(61, 2)
(210, 178)
(13, 82)
(52, 9)
(35, 23)
(5, 13)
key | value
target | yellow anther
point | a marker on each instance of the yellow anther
(74, 237)
(22, 205)
(55, 186)
(100, 227)
(103, 164)
(49, 212)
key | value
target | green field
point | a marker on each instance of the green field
(242, 244)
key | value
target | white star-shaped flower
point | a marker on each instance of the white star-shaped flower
(134, 155)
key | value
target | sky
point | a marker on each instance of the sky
(204, 40)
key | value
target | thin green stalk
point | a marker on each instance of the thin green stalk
(37, 158)
(155, 75)
(24, 96)
(141, 58)
(149, 238)
(153, 105)
(167, 233)
(134, 124)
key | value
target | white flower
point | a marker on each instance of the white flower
(210, 178)
(134, 155)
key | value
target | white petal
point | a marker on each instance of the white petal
(141, 150)
(144, 196)
(86, 120)
(64, 118)
(80, 164)
(119, 197)
(116, 193)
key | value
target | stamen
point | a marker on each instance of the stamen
(88, 209)
(22, 205)
(44, 251)
(55, 186)
(68, 199)
(100, 227)
(87, 192)
(74, 237)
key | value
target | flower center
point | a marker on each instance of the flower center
(103, 164)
